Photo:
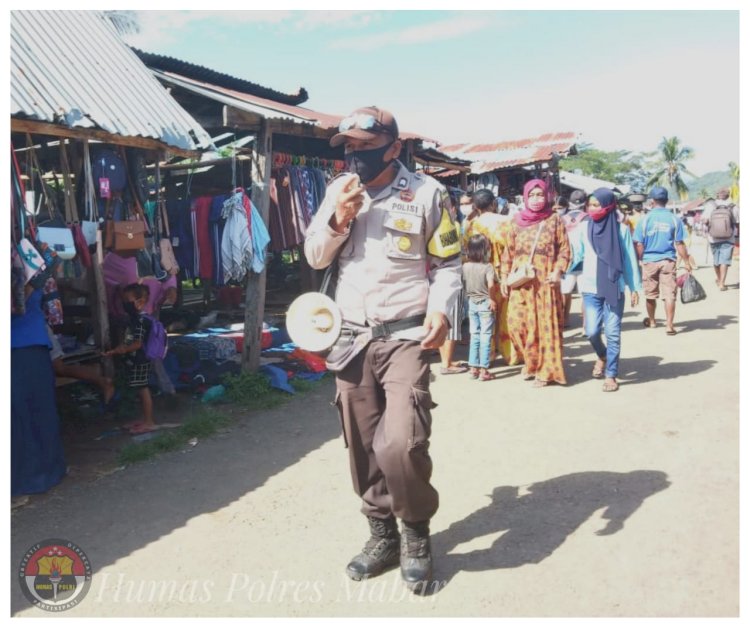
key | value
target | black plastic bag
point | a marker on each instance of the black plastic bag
(692, 291)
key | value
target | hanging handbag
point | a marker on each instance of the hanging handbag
(168, 259)
(60, 240)
(128, 235)
(71, 211)
(55, 233)
(524, 273)
(89, 226)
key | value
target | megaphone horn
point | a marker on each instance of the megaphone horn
(313, 321)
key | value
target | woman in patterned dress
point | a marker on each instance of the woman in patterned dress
(486, 221)
(535, 310)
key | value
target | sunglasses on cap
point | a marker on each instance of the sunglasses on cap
(364, 122)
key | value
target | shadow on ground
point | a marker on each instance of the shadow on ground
(118, 514)
(531, 524)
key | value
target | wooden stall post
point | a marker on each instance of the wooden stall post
(255, 291)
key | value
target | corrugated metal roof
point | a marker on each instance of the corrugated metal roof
(512, 154)
(269, 109)
(212, 77)
(71, 68)
(589, 184)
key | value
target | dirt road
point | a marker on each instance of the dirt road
(564, 501)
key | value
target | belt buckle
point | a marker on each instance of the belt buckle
(381, 330)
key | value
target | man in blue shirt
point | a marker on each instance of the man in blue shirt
(658, 238)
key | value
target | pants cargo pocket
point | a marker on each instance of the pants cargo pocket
(340, 409)
(421, 418)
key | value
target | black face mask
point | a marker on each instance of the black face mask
(368, 164)
(130, 308)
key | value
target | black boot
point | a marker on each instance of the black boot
(416, 559)
(380, 552)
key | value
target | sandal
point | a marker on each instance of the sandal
(450, 370)
(598, 372)
(610, 386)
(142, 428)
(474, 372)
(647, 322)
(486, 376)
(524, 375)
(671, 332)
(540, 383)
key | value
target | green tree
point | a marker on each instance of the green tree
(670, 166)
(618, 166)
(704, 193)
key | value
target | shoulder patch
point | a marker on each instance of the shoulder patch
(445, 241)
(338, 179)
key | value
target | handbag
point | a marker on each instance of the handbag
(59, 239)
(524, 273)
(168, 259)
(91, 226)
(71, 211)
(128, 235)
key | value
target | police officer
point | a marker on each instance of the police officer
(399, 275)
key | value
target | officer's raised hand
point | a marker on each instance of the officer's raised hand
(348, 204)
(436, 326)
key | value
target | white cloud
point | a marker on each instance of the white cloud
(310, 20)
(436, 31)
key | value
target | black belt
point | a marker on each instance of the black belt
(389, 327)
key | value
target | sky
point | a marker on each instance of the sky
(620, 79)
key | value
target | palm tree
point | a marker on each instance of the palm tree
(734, 191)
(704, 194)
(671, 167)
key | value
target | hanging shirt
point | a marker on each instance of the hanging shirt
(236, 241)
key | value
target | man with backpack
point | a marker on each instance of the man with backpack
(658, 238)
(721, 218)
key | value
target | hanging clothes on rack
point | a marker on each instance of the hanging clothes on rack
(236, 241)
(244, 239)
(201, 210)
(296, 194)
(216, 225)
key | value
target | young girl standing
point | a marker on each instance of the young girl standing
(479, 281)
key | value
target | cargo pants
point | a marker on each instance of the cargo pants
(384, 404)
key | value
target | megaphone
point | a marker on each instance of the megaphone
(313, 321)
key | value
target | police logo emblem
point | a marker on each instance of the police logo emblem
(404, 244)
(402, 224)
(55, 575)
(401, 182)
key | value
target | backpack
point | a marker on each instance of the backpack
(107, 164)
(721, 222)
(155, 346)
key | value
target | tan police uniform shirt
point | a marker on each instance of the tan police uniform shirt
(385, 270)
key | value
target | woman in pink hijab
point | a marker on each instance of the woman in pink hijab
(535, 310)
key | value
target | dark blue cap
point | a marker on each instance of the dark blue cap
(659, 193)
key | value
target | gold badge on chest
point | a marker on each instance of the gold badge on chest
(403, 243)
(402, 224)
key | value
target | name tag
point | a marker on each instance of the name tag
(403, 207)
